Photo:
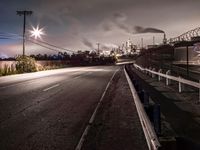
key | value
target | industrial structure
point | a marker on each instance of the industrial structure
(182, 50)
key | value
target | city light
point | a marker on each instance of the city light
(37, 32)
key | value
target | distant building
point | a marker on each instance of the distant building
(128, 47)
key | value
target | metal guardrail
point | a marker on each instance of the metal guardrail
(150, 135)
(178, 79)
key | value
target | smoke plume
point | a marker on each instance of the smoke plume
(139, 29)
(87, 43)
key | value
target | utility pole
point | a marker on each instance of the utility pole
(24, 13)
(98, 48)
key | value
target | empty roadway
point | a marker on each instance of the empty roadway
(49, 109)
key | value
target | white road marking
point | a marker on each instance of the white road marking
(51, 87)
(82, 139)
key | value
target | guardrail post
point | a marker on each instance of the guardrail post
(168, 81)
(156, 119)
(179, 85)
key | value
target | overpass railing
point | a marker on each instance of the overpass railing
(169, 77)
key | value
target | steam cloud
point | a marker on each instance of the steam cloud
(108, 46)
(139, 29)
(87, 43)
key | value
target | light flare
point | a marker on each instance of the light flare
(37, 32)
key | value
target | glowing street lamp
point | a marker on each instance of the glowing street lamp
(37, 32)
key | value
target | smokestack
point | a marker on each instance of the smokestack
(164, 39)
(141, 43)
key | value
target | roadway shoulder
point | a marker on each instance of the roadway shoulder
(117, 125)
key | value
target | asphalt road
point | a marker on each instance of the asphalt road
(49, 109)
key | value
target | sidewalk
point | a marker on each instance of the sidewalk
(117, 125)
(179, 109)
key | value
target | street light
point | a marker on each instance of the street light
(36, 32)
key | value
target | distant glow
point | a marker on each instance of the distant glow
(37, 32)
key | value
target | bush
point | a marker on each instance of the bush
(13, 69)
(5, 70)
(25, 64)
(1, 71)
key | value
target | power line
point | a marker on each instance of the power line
(37, 42)
(53, 45)
(43, 46)
(9, 36)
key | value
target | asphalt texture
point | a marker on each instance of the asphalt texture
(116, 125)
(183, 122)
(49, 110)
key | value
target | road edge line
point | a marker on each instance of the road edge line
(82, 139)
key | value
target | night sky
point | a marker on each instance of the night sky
(80, 24)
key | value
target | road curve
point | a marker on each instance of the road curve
(49, 109)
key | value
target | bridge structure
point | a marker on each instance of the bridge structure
(192, 35)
